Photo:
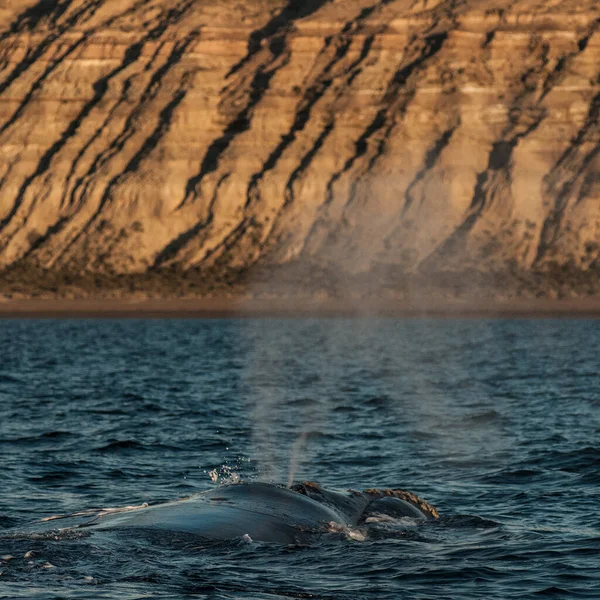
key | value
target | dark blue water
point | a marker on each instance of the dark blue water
(497, 423)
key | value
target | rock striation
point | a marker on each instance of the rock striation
(411, 139)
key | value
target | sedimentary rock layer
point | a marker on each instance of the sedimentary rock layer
(424, 135)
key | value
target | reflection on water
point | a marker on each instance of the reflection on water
(495, 422)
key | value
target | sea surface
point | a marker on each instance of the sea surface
(495, 422)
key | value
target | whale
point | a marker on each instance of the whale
(266, 512)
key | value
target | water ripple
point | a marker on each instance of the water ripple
(494, 422)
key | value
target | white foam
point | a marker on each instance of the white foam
(224, 475)
(387, 519)
(351, 534)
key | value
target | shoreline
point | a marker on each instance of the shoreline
(240, 308)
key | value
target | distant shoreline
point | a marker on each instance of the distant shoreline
(214, 308)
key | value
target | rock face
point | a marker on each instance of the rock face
(413, 136)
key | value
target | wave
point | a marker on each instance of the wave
(466, 522)
(552, 591)
(516, 476)
(118, 445)
(484, 418)
(50, 478)
(575, 460)
(9, 379)
(6, 522)
(41, 437)
(583, 462)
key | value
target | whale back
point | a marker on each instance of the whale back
(358, 506)
(267, 512)
(264, 512)
(350, 504)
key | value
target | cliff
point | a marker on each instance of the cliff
(450, 144)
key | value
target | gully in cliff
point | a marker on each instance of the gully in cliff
(268, 512)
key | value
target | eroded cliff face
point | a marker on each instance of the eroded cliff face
(425, 136)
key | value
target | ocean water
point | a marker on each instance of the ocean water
(495, 422)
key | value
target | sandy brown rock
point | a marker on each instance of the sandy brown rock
(384, 139)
